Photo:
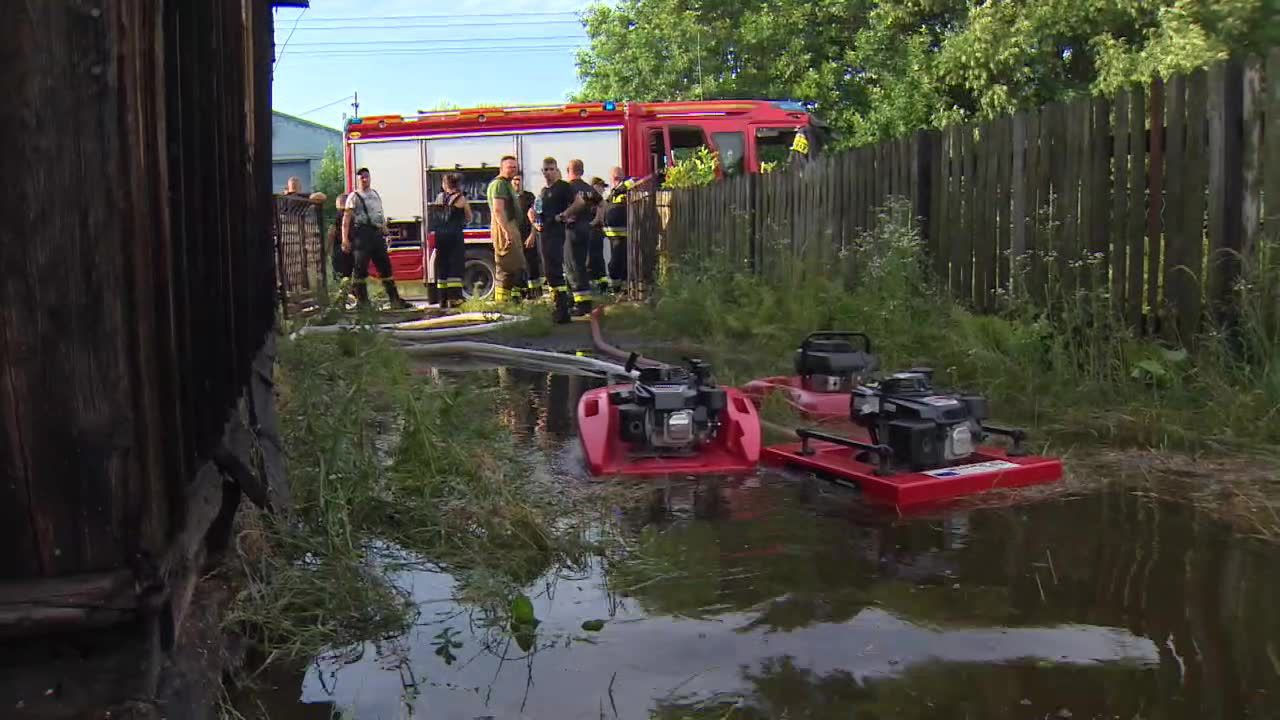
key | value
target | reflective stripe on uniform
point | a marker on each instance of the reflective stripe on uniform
(535, 283)
(583, 296)
(615, 232)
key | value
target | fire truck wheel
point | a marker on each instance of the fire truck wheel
(478, 273)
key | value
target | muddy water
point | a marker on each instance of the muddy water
(778, 596)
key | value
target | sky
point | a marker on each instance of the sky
(401, 56)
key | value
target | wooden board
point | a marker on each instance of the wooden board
(1135, 220)
(1120, 159)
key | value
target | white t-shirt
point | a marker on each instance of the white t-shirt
(367, 208)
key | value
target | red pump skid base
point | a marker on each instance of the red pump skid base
(988, 469)
(735, 450)
(821, 406)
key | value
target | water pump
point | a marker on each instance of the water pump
(829, 362)
(669, 411)
(914, 425)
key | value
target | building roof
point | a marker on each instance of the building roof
(295, 118)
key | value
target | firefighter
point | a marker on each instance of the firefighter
(364, 228)
(450, 243)
(615, 224)
(532, 260)
(580, 238)
(595, 253)
(557, 200)
(508, 250)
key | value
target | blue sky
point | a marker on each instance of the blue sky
(402, 56)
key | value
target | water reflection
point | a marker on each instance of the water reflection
(778, 597)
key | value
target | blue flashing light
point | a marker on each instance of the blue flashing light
(610, 106)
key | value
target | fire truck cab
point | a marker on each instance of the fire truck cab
(408, 156)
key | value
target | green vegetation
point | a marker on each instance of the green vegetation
(1063, 363)
(330, 181)
(391, 472)
(695, 170)
(879, 68)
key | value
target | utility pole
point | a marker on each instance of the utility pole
(355, 104)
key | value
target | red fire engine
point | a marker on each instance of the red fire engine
(408, 156)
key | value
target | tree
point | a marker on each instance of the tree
(880, 69)
(331, 180)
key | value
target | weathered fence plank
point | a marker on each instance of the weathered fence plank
(1226, 184)
(1120, 160)
(1157, 199)
(1134, 222)
(1188, 289)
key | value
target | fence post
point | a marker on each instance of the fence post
(1155, 206)
(922, 200)
(324, 266)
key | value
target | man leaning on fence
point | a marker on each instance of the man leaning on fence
(364, 228)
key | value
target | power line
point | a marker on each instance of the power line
(419, 41)
(291, 32)
(521, 23)
(326, 105)
(439, 51)
(443, 16)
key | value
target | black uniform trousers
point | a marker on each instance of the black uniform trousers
(577, 254)
(595, 261)
(370, 247)
(552, 246)
(450, 259)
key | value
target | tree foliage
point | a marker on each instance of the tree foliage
(331, 180)
(695, 170)
(877, 69)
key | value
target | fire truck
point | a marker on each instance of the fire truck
(408, 157)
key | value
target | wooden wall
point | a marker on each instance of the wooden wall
(139, 290)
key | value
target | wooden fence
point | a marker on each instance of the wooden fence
(138, 312)
(1059, 197)
(301, 258)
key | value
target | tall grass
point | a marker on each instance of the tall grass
(1064, 362)
(389, 473)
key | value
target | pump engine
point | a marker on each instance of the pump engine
(923, 427)
(670, 410)
(829, 361)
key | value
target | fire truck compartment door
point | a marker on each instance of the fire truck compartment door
(395, 171)
(599, 150)
(477, 151)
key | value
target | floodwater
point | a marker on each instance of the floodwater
(779, 596)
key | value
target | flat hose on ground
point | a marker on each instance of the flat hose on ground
(450, 326)
(597, 339)
(539, 358)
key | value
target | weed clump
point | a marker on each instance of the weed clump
(389, 473)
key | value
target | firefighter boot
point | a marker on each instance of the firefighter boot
(560, 314)
(393, 296)
(361, 292)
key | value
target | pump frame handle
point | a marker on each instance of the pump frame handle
(884, 453)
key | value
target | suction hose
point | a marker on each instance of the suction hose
(597, 339)
(540, 359)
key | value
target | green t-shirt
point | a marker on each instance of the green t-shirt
(501, 188)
